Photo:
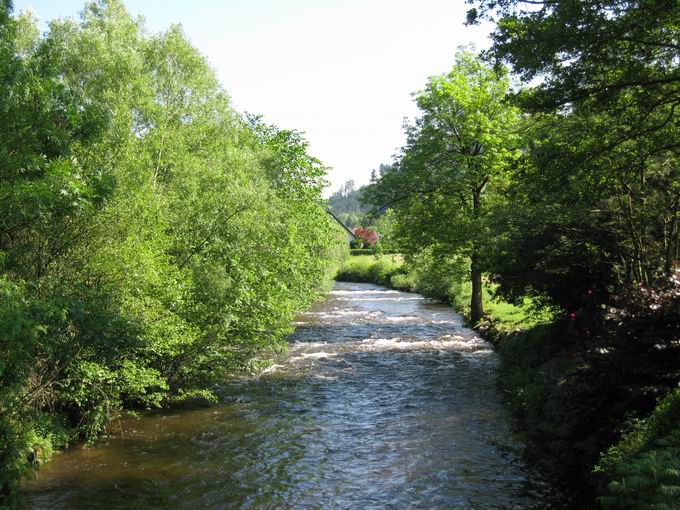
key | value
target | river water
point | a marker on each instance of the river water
(384, 400)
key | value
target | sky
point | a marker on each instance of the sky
(341, 71)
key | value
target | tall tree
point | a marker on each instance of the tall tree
(457, 155)
(588, 48)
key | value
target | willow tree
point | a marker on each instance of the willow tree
(457, 154)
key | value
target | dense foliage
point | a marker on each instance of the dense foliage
(151, 239)
(600, 188)
(592, 224)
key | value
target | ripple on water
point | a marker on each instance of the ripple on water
(384, 400)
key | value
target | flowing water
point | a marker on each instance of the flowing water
(384, 400)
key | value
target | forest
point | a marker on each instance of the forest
(154, 240)
(134, 206)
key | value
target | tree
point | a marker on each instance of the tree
(601, 49)
(383, 169)
(607, 128)
(457, 155)
(368, 235)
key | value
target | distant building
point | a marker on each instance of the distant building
(350, 235)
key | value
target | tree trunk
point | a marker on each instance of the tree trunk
(671, 240)
(476, 303)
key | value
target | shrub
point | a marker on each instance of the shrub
(370, 269)
(642, 471)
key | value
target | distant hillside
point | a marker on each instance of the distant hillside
(345, 204)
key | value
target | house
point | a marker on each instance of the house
(350, 235)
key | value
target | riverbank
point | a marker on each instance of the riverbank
(391, 271)
(595, 394)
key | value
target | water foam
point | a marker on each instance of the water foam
(354, 292)
(414, 298)
(314, 355)
(446, 343)
(403, 318)
(341, 313)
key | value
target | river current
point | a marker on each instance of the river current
(383, 400)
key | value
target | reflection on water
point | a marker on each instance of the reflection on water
(384, 400)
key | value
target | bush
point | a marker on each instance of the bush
(152, 239)
(642, 471)
(560, 404)
(371, 251)
(370, 269)
(576, 388)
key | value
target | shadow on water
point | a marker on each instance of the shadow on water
(384, 400)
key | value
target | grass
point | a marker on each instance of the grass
(510, 317)
(377, 269)
(391, 271)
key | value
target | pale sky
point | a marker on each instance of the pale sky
(341, 71)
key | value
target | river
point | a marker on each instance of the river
(384, 400)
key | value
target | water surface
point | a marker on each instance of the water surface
(384, 400)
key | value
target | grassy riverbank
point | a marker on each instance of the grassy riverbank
(594, 395)
(391, 271)
(381, 269)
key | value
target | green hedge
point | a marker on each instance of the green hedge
(370, 269)
(370, 251)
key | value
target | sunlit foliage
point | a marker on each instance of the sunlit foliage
(151, 239)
